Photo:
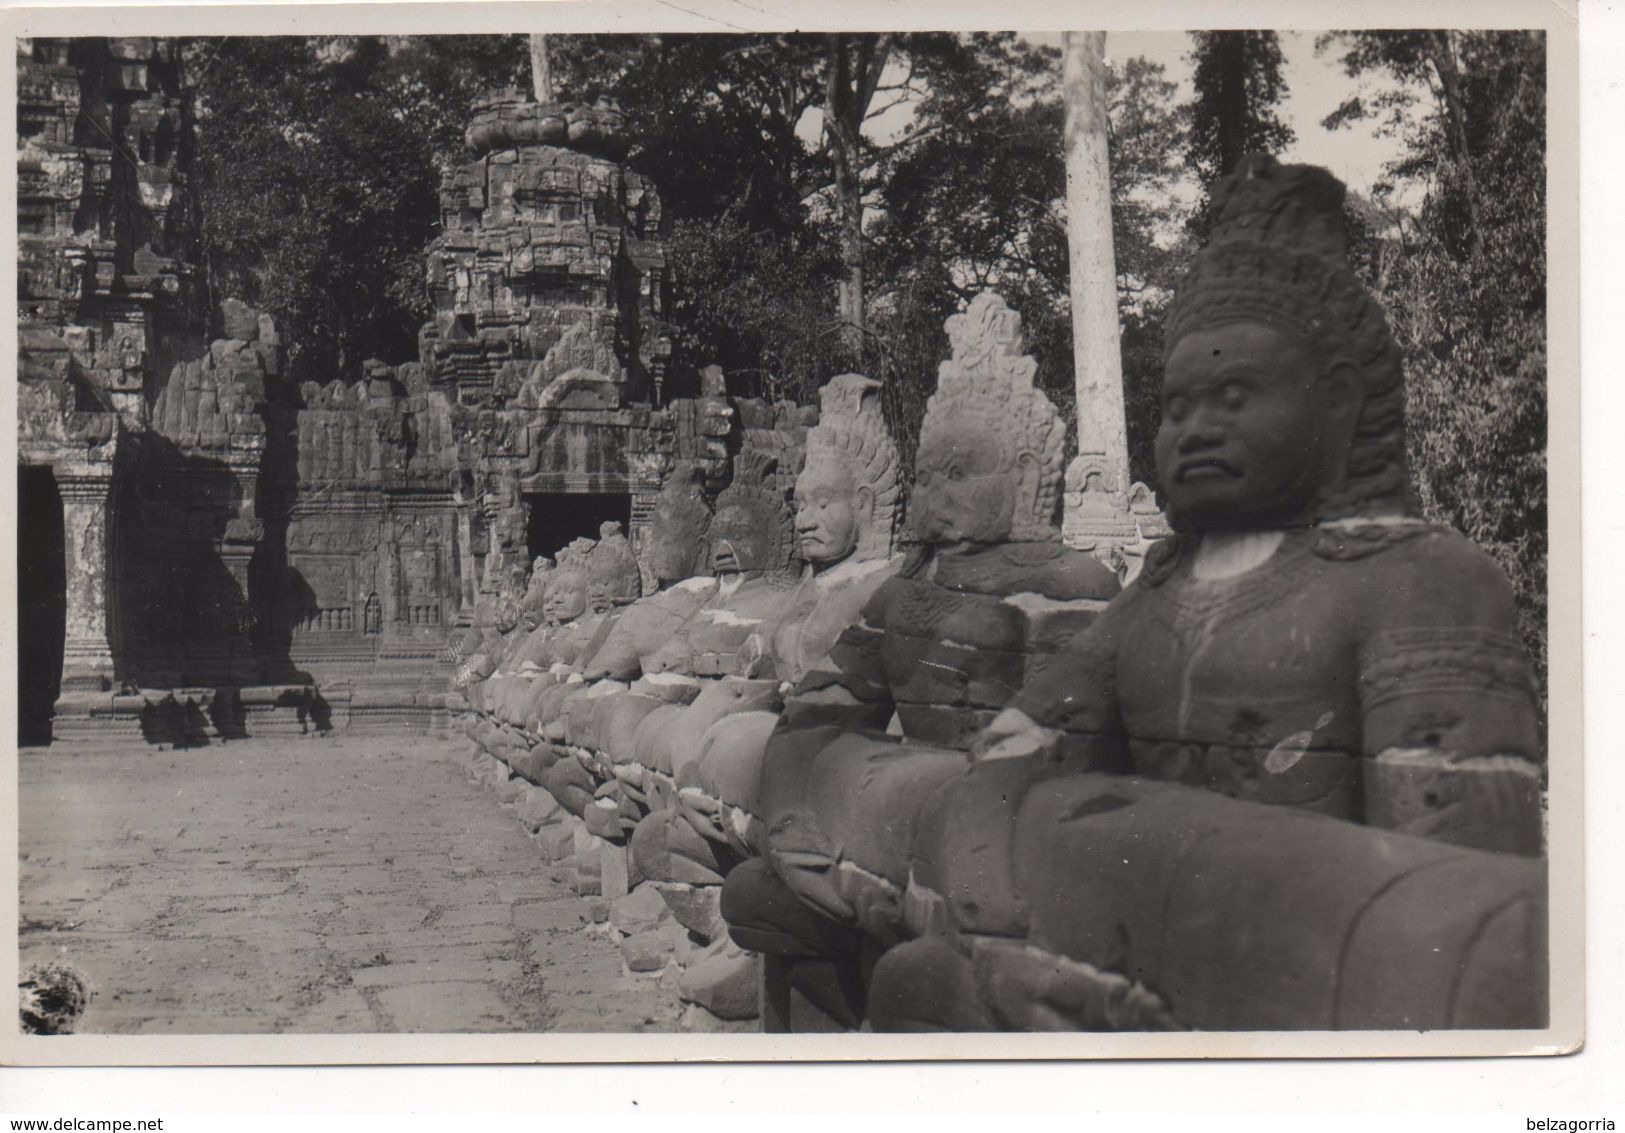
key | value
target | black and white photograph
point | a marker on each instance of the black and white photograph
(794, 542)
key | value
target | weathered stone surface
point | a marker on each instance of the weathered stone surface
(536, 808)
(555, 841)
(509, 790)
(647, 951)
(725, 981)
(239, 321)
(667, 848)
(698, 908)
(943, 644)
(1351, 661)
(642, 910)
(697, 1020)
(1354, 660)
(614, 868)
(120, 864)
(1299, 888)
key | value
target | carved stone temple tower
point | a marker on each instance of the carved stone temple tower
(548, 283)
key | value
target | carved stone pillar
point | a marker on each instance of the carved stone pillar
(1103, 512)
(389, 574)
(87, 654)
(469, 571)
(239, 543)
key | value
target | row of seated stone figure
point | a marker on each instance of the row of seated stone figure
(1288, 778)
(648, 721)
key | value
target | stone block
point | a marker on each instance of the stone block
(583, 872)
(666, 848)
(556, 841)
(647, 951)
(603, 818)
(725, 980)
(509, 789)
(533, 763)
(642, 910)
(536, 808)
(698, 908)
(613, 870)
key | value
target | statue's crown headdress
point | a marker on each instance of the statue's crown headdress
(754, 488)
(612, 564)
(574, 559)
(851, 429)
(1276, 256)
(989, 377)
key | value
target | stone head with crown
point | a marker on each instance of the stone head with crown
(1378, 651)
(752, 530)
(846, 494)
(990, 460)
(566, 598)
(613, 578)
(1283, 399)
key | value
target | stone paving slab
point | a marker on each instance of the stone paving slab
(346, 885)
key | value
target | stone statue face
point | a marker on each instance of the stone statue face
(598, 599)
(534, 605)
(829, 515)
(566, 597)
(964, 492)
(1247, 437)
(738, 541)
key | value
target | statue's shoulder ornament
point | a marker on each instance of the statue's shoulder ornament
(1352, 540)
(1047, 568)
(1162, 558)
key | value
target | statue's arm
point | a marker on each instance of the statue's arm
(848, 688)
(1450, 717)
(1068, 708)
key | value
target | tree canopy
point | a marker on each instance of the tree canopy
(319, 164)
(1239, 89)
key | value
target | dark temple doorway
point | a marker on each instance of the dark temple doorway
(42, 602)
(555, 518)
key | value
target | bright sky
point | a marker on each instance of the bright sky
(1316, 85)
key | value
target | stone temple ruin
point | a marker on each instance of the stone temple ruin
(837, 759)
(239, 549)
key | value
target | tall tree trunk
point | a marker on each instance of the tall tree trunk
(1441, 52)
(541, 71)
(1231, 49)
(1096, 332)
(855, 66)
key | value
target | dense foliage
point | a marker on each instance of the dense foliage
(1462, 273)
(1238, 83)
(319, 172)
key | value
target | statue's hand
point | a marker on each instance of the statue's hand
(1013, 734)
